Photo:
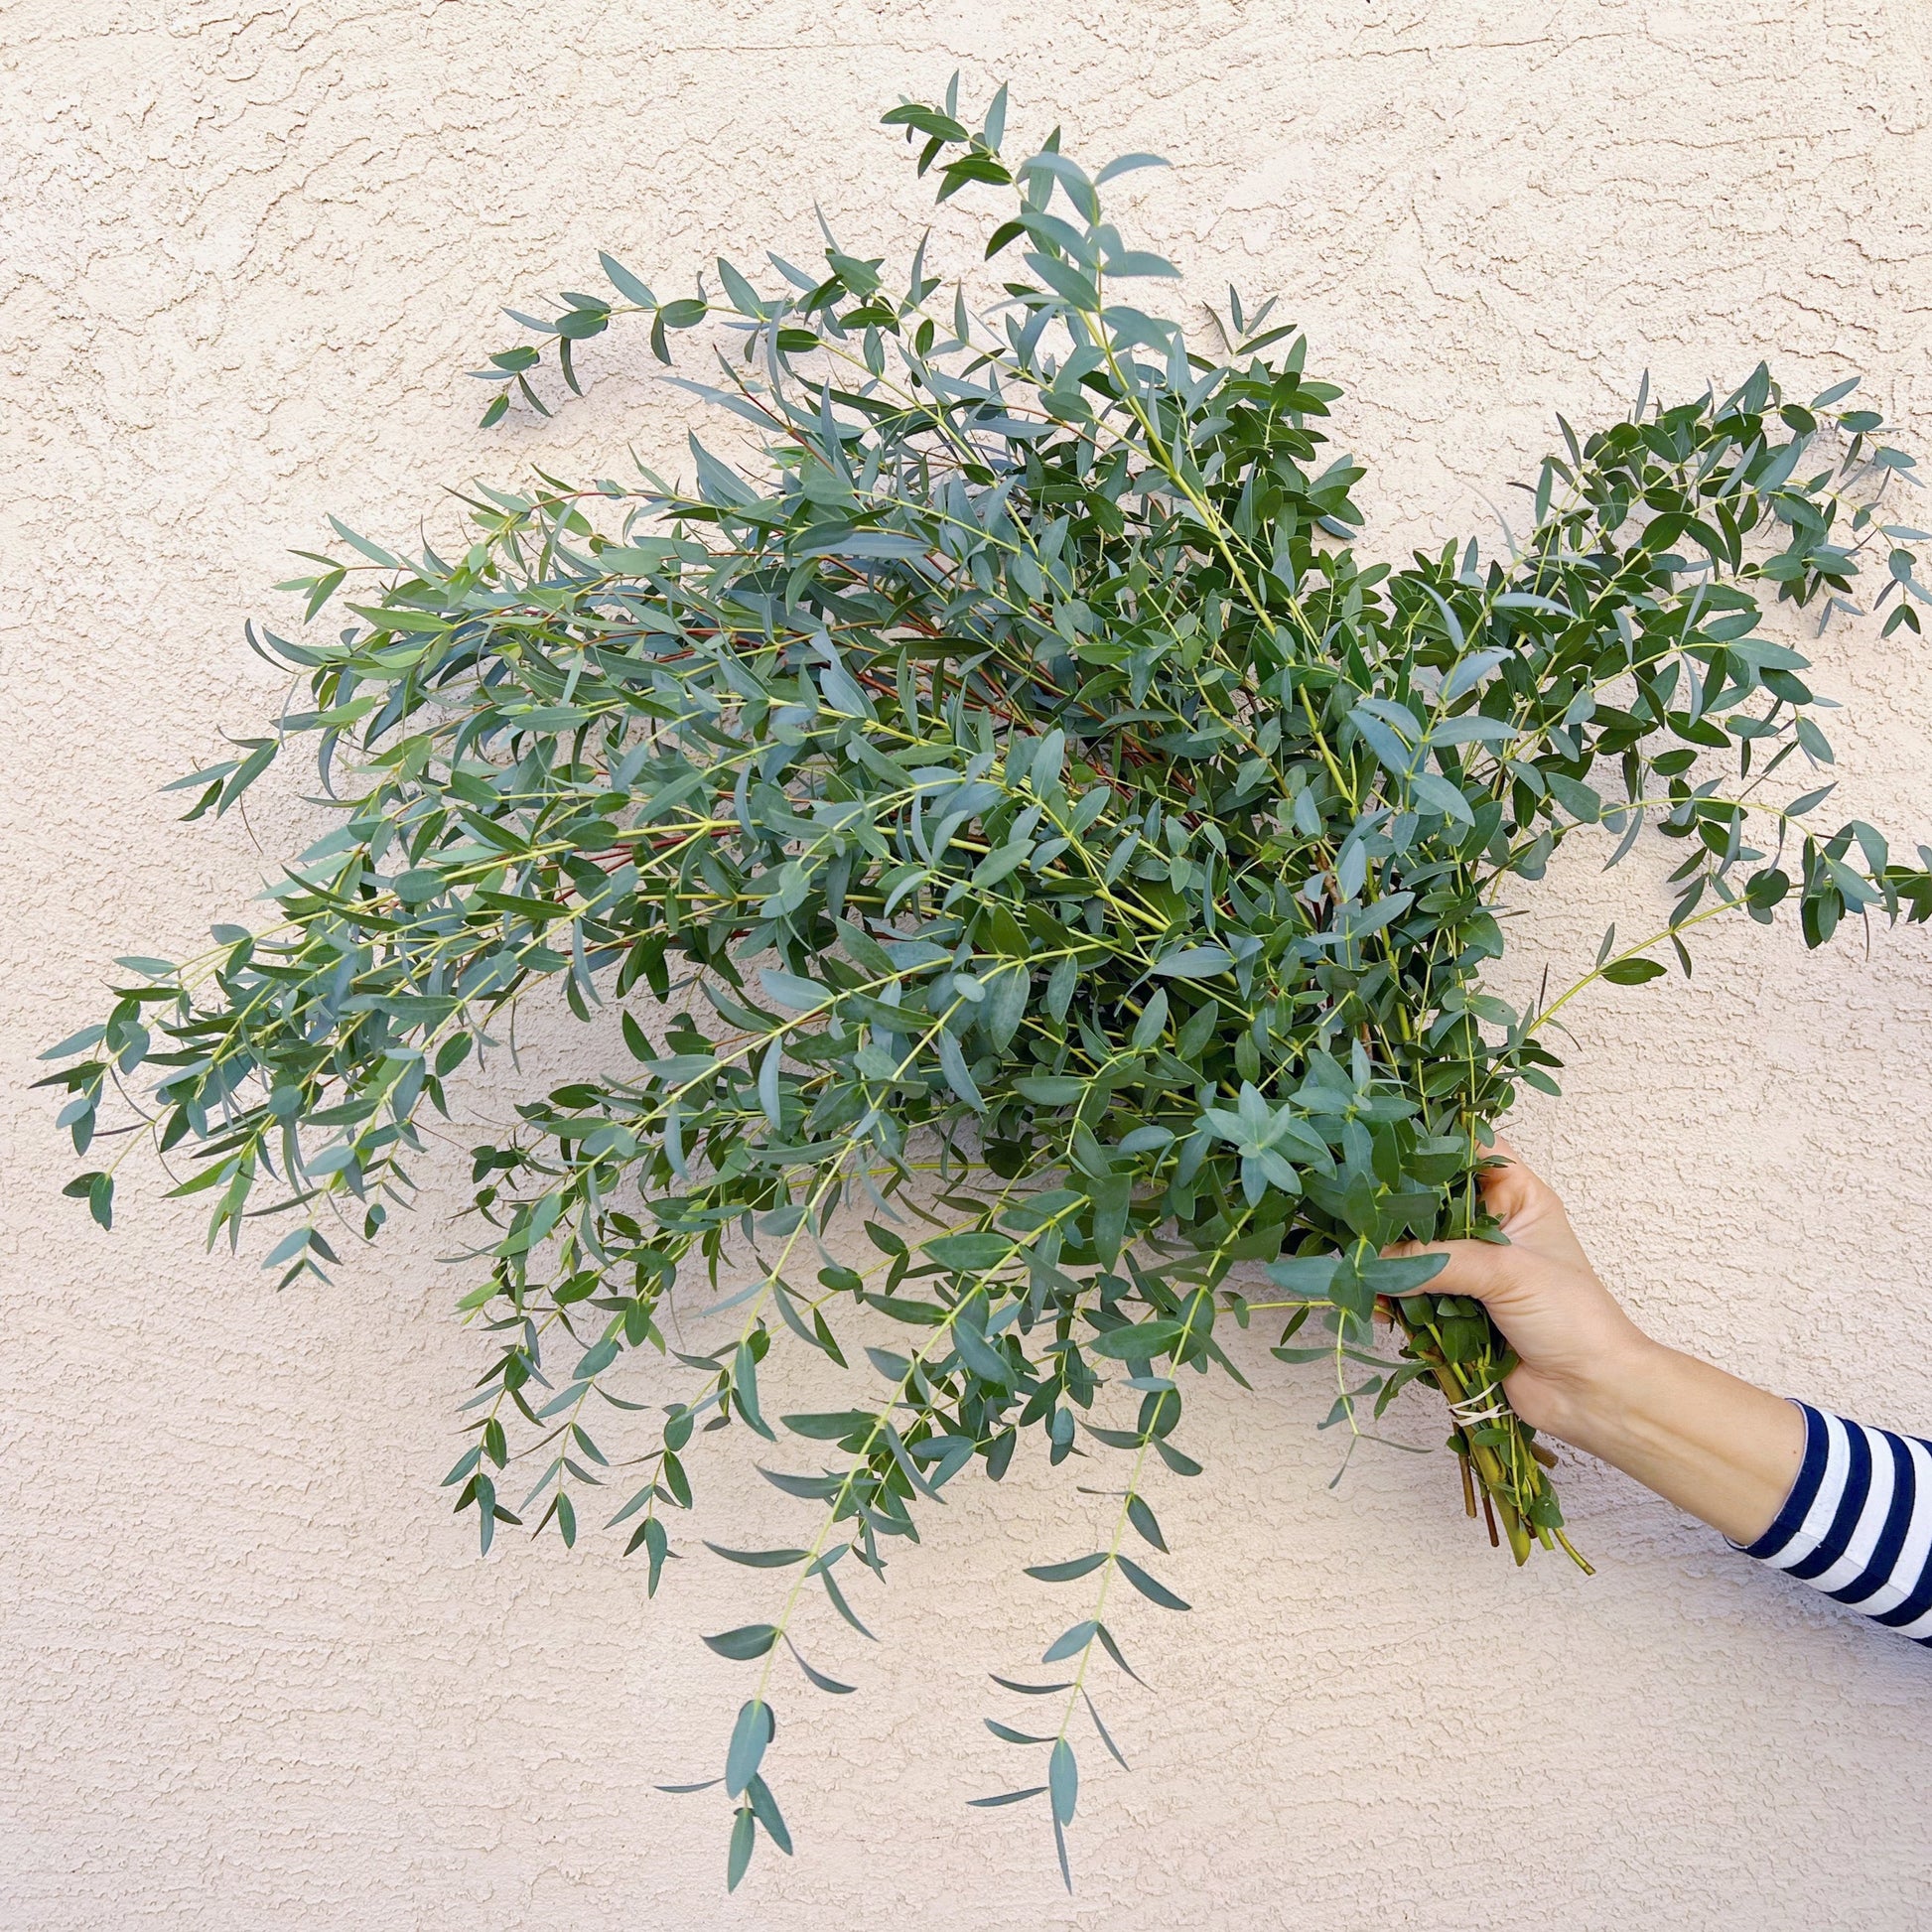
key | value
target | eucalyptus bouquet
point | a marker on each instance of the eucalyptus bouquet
(1043, 843)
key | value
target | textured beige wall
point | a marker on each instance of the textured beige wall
(251, 1674)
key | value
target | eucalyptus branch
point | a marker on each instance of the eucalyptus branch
(1004, 816)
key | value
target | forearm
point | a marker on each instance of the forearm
(1714, 1445)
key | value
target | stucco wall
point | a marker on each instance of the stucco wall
(251, 1673)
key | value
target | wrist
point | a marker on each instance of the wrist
(1610, 1406)
(1718, 1446)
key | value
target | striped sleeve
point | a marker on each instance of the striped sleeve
(1857, 1523)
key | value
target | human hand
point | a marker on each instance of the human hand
(1572, 1337)
(1716, 1446)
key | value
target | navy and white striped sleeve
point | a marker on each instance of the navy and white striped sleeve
(1857, 1523)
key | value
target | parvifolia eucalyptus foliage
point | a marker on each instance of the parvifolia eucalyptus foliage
(1046, 845)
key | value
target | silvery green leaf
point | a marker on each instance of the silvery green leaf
(1438, 795)
(1393, 755)
(1062, 1780)
(1473, 729)
(1579, 800)
(1064, 1572)
(952, 1064)
(1194, 963)
(753, 1729)
(1126, 164)
(1307, 1275)
(748, 1641)
(1069, 1642)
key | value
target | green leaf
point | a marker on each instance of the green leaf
(760, 1559)
(1062, 1780)
(374, 551)
(739, 1855)
(836, 1596)
(98, 1190)
(1312, 1276)
(1069, 1642)
(657, 1547)
(744, 1389)
(1028, 1690)
(1633, 972)
(1143, 1523)
(764, 1808)
(1138, 1344)
(981, 1357)
(76, 1044)
(952, 1064)
(1579, 800)
(1400, 1274)
(1195, 963)
(1065, 1573)
(745, 1642)
(1154, 1590)
(817, 1678)
(1056, 1090)
(1008, 1735)
(625, 283)
(1126, 164)
(970, 1254)
(830, 1426)
(926, 120)
(1438, 795)
(754, 1728)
